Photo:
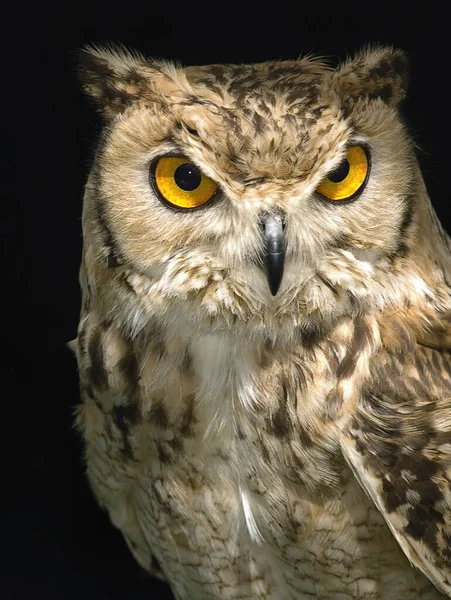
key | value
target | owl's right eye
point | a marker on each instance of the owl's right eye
(181, 184)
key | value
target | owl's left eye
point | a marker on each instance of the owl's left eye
(349, 178)
(181, 184)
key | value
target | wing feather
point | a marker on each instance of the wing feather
(398, 446)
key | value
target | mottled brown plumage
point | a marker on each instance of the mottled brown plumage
(257, 444)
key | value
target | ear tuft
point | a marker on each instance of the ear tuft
(112, 76)
(374, 73)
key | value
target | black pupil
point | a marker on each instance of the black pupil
(187, 176)
(340, 173)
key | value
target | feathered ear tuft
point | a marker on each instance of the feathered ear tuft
(374, 73)
(113, 77)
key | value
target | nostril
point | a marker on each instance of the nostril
(276, 216)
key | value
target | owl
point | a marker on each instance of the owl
(264, 347)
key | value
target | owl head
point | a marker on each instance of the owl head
(269, 198)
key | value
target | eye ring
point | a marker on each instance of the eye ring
(193, 190)
(353, 184)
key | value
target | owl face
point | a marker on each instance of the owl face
(277, 194)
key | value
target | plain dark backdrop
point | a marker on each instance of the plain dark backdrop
(55, 542)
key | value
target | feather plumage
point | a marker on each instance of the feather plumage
(256, 446)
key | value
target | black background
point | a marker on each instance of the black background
(56, 542)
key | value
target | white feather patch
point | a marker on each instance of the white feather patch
(251, 524)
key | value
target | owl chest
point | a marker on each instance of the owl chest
(259, 504)
(244, 455)
(235, 481)
(247, 424)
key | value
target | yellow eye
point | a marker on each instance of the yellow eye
(181, 184)
(349, 178)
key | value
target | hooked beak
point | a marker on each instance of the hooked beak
(274, 238)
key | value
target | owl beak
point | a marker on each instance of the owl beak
(274, 237)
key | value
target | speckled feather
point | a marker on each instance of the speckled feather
(251, 446)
